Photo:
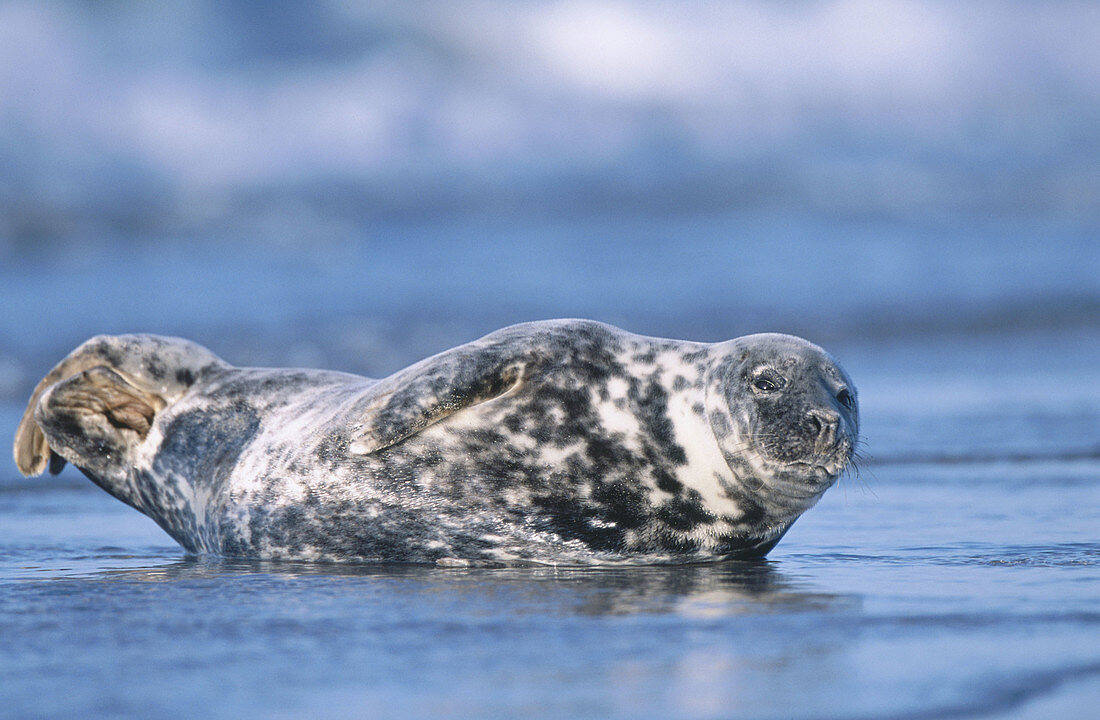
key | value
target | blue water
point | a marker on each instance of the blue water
(915, 186)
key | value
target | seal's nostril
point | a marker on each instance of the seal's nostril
(824, 424)
(815, 424)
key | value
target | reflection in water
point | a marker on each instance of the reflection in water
(291, 639)
(734, 587)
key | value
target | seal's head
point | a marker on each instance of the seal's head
(786, 418)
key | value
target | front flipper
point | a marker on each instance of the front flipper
(420, 396)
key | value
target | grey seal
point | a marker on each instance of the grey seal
(563, 441)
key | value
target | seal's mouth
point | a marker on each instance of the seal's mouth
(825, 466)
(828, 469)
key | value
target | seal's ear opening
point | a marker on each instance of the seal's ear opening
(94, 417)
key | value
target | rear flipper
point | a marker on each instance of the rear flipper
(100, 401)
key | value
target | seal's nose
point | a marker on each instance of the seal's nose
(824, 423)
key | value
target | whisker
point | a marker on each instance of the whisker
(856, 467)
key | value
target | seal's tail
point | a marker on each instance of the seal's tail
(123, 379)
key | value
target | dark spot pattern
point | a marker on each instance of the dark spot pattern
(155, 368)
(652, 405)
(204, 444)
(685, 512)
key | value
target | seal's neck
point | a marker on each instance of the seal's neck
(171, 506)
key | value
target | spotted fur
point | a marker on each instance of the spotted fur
(562, 441)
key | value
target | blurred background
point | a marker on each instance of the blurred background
(357, 185)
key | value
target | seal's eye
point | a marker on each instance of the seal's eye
(845, 398)
(767, 381)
